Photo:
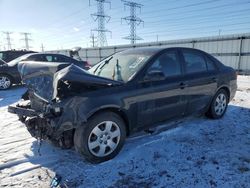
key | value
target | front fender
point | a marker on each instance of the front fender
(77, 110)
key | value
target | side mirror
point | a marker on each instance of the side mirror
(154, 74)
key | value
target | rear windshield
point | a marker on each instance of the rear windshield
(17, 60)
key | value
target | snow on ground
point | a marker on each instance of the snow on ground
(199, 152)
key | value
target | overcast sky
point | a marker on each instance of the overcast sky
(67, 23)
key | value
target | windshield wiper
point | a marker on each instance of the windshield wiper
(102, 65)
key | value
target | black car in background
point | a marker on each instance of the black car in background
(2, 62)
(127, 92)
(56, 58)
(9, 72)
(9, 55)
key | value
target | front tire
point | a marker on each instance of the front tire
(219, 105)
(101, 138)
(5, 82)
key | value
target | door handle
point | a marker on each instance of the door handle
(183, 85)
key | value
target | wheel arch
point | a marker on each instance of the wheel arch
(114, 109)
(226, 88)
(6, 74)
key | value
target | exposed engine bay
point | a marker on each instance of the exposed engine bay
(54, 104)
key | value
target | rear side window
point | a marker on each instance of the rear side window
(210, 64)
(63, 59)
(194, 62)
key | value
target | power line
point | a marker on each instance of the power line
(184, 6)
(191, 11)
(101, 18)
(8, 39)
(221, 7)
(132, 20)
(26, 39)
(225, 16)
(196, 28)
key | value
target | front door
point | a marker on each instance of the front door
(168, 97)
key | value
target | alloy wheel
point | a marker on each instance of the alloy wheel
(220, 104)
(4, 82)
(104, 138)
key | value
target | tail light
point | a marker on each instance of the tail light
(87, 65)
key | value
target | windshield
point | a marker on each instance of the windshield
(121, 66)
(17, 60)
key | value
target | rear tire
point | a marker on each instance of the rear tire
(218, 105)
(101, 138)
(5, 82)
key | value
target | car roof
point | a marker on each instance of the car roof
(43, 53)
(17, 51)
(154, 50)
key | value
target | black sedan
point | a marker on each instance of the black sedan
(9, 74)
(2, 62)
(127, 92)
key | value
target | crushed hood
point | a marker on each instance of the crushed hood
(42, 78)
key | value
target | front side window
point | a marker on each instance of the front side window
(121, 66)
(168, 63)
(194, 62)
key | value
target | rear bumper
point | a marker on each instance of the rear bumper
(233, 89)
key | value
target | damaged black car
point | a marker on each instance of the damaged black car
(129, 91)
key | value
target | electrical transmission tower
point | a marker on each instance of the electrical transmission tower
(132, 20)
(101, 18)
(93, 40)
(42, 47)
(8, 39)
(26, 40)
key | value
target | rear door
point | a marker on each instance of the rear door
(200, 79)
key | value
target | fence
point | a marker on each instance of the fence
(232, 50)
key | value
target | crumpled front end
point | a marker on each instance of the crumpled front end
(55, 122)
(54, 104)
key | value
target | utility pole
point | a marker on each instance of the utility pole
(132, 20)
(42, 47)
(8, 39)
(93, 40)
(219, 32)
(101, 18)
(26, 40)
